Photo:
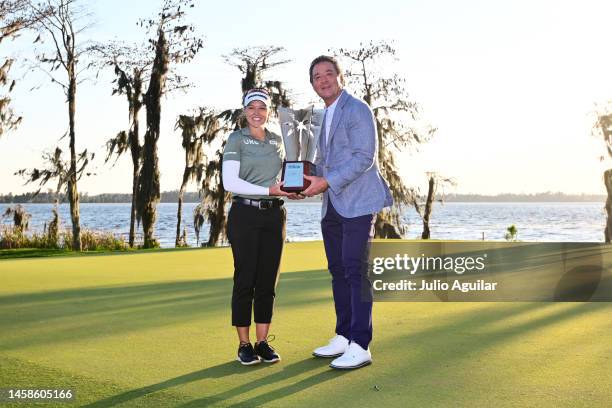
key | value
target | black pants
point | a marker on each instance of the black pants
(257, 238)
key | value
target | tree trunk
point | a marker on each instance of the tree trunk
(179, 212)
(148, 190)
(135, 148)
(384, 229)
(148, 181)
(431, 192)
(388, 222)
(218, 221)
(608, 183)
(133, 214)
(73, 193)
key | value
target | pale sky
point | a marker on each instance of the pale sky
(510, 85)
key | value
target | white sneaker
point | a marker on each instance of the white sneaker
(336, 347)
(354, 357)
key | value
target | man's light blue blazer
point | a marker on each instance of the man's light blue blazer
(349, 161)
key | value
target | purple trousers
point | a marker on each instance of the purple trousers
(347, 244)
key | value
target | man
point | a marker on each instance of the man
(353, 192)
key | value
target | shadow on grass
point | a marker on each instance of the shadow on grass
(427, 356)
(438, 350)
(287, 373)
(221, 370)
(65, 315)
(228, 369)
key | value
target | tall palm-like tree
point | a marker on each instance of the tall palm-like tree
(59, 21)
(21, 218)
(603, 129)
(16, 16)
(435, 182)
(173, 44)
(253, 63)
(129, 70)
(395, 117)
(196, 130)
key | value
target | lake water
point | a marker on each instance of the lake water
(566, 222)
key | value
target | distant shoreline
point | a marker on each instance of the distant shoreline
(192, 197)
(526, 198)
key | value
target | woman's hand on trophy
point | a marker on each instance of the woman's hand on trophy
(275, 190)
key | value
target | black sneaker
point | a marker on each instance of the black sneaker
(246, 354)
(266, 353)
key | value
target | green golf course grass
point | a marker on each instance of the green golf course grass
(153, 329)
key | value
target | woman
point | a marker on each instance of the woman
(252, 161)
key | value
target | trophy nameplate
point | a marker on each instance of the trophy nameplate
(293, 175)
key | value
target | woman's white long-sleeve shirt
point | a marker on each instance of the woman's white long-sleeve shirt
(236, 185)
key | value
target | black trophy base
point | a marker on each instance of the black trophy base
(293, 175)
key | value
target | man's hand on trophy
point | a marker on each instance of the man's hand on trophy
(317, 186)
(275, 190)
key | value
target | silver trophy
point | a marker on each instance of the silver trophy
(300, 130)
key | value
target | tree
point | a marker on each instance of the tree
(59, 170)
(52, 229)
(198, 221)
(130, 140)
(56, 169)
(172, 44)
(395, 117)
(511, 233)
(196, 130)
(15, 17)
(129, 73)
(434, 182)
(603, 128)
(56, 19)
(21, 218)
(253, 63)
